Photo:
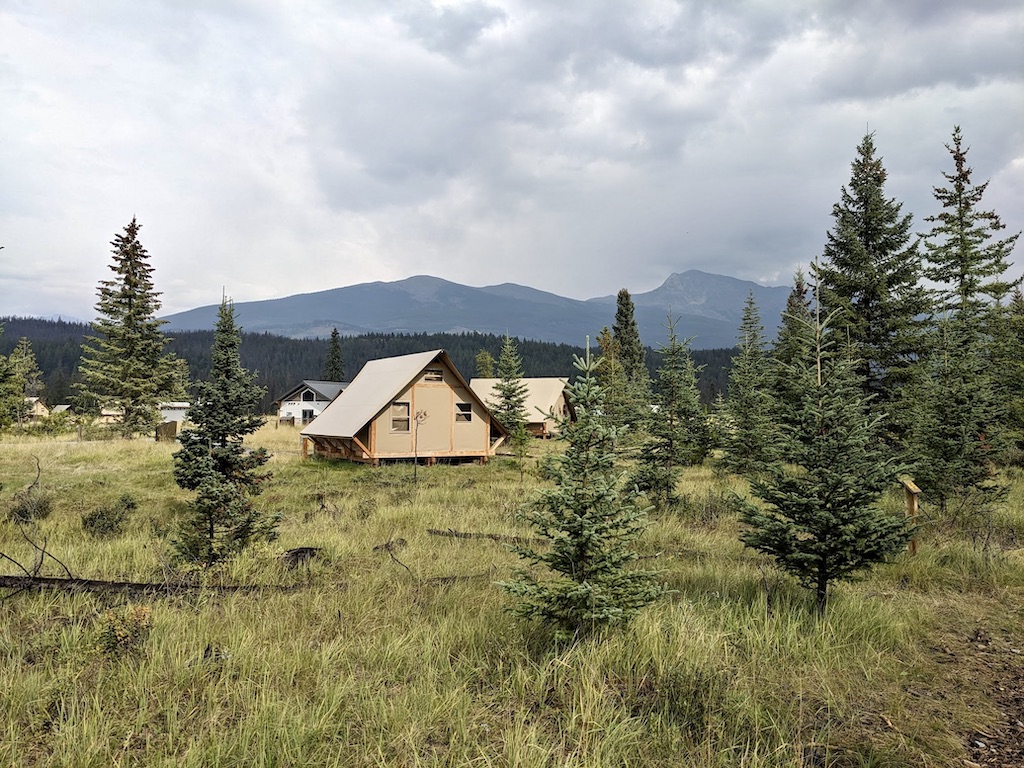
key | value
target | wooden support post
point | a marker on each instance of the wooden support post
(305, 447)
(910, 494)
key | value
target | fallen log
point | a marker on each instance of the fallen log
(73, 585)
(492, 536)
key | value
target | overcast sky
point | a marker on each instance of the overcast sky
(273, 148)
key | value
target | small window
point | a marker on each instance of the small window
(463, 412)
(433, 374)
(307, 415)
(399, 417)
(308, 396)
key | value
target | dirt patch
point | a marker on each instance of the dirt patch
(993, 661)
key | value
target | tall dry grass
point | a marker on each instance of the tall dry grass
(394, 649)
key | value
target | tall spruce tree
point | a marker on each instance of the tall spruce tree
(124, 366)
(962, 253)
(959, 426)
(870, 272)
(484, 364)
(510, 391)
(749, 442)
(787, 349)
(26, 381)
(679, 431)
(213, 460)
(334, 365)
(591, 524)
(11, 398)
(618, 410)
(817, 515)
(633, 358)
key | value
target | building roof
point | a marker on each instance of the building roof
(373, 389)
(541, 394)
(328, 390)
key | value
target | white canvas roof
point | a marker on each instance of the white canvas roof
(541, 394)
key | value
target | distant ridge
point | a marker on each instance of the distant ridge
(707, 307)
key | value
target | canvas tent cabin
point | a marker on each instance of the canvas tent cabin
(408, 407)
(307, 400)
(35, 409)
(546, 402)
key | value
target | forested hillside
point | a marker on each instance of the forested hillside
(281, 362)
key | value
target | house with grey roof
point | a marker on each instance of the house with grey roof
(410, 407)
(307, 400)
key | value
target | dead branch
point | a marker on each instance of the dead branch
(133, 588)
(42, 554)
(492, 536)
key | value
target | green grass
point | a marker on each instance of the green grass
(411, 660)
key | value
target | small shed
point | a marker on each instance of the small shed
(546, 402)
(307, 400)
(408, 407)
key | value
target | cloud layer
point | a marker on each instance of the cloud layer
(272, 148)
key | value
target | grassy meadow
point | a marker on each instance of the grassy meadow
(394, 647)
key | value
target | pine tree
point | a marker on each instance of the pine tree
(870, 272)
(213, 460)
(787, 349)
(334, 365)
(633, 358)
(749, 443)
(591, 525)
(961, 252)
(617, 411)
(818, 517)
(124, 365)
(25, 380)
(11, 398)
(484, 365)
(509, 407)
(680, 434)
(959, 421)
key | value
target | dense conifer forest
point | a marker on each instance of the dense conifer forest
(281, 362)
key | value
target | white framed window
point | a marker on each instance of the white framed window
(463, 412)
(400, 417)
(433, 374)
(308, 396)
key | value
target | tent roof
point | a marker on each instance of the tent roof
(541, 394)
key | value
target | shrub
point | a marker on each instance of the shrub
(109, 520)
(123, 631)
(30, 505)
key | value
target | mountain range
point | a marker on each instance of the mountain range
(706, 307)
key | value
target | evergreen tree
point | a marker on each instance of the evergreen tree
(510, 390)
(334, 365)
(484, 365)
(749, 443)
(870, 272)
(787, 349)
(959, 421)
(680, 434)
(591, 525)
(11, 398)
(617, 411)
(633, 358)
(124, 365)
(961, 252)
(25, 381)
(818, 517)
(213, 460)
